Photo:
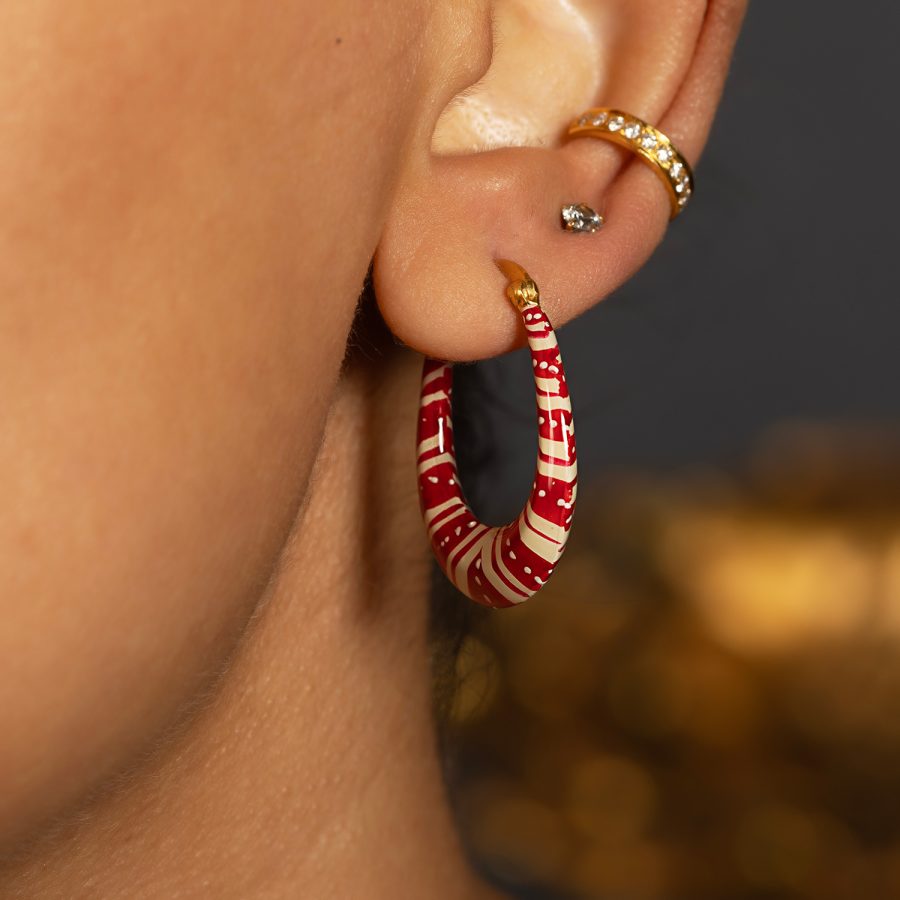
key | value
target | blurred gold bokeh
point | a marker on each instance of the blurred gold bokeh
(704, 702)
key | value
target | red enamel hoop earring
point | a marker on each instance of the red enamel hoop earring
(501, 566)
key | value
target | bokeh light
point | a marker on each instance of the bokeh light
(704, 702)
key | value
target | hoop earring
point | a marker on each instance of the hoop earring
(501, 566)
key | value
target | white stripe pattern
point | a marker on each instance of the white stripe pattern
(501, 566)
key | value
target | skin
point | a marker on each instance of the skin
(213, 640)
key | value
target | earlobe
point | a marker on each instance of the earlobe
(454, 214)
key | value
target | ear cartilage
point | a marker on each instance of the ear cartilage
(581, 219)
(649, 143)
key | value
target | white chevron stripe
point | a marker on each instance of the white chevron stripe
(429, 444)
(557, 449)
(565, 473)
(546, 550)
(546, 385)
(501, 564)
(427, 464)
(437, 373)
(487, 566)
(554, 402)
(441, 521)
(431, 514)
(431, 398)
(459, 569)
(474, 535)
(545, 526)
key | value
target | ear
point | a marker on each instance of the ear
(488, 177)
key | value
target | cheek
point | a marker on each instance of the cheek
(183, 230)
(144, 509)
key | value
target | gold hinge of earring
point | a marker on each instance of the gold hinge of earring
(521, 290)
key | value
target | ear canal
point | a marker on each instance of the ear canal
(546, 61)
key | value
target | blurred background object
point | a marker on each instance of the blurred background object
(704, 702)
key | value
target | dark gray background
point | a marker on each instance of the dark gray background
(774, 298)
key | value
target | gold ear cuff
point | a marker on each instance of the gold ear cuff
(649, 143)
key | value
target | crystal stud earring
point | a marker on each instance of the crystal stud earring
(580, 218)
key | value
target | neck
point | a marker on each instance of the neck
(310, 768)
